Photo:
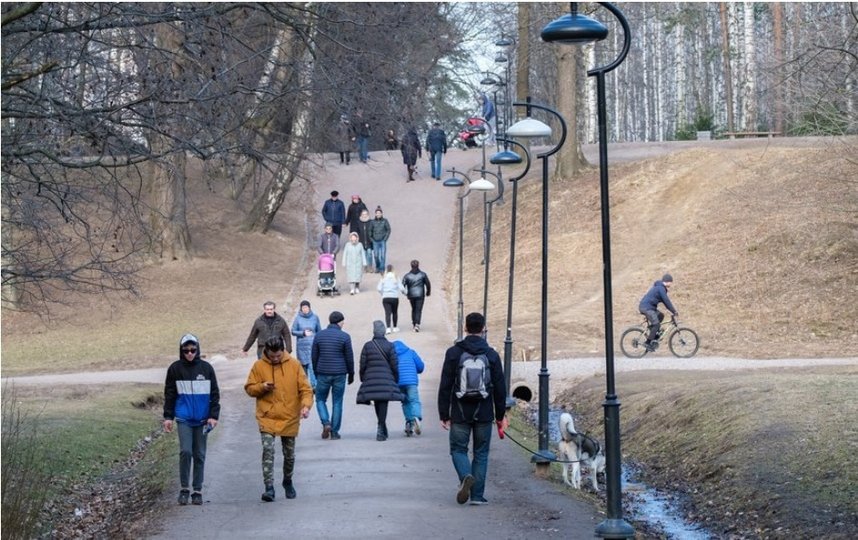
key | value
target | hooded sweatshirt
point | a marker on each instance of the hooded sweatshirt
(463, 412)
(657, 293)
(278, 411)
(191, 394)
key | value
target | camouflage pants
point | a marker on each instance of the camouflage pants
(268, 457)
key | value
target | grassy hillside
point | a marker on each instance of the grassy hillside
(762, 243)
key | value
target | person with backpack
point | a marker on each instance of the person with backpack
(472, 396)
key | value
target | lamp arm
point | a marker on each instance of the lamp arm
(526, 155)
(562, 140)
(500, 186)
(627, 41)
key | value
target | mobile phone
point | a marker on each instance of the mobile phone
(207, 429)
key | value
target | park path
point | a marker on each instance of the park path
(358, 487)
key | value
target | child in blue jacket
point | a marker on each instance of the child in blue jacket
(410, 364)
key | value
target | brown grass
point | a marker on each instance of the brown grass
(762, 244)
(758, 454)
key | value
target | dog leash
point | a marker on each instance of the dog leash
(551, 460)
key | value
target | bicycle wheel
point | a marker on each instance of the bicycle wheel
(684, 342)
(632, 342)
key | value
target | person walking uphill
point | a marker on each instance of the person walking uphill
(379, 232)
(410, 366)
(305, 327)
(379, 377)
(410, 152)
(283, 397)
(334, 212)
(472, 395)
(417, 287)
(269, 324)
(192, 401)
(390, 289)
(436, 145)
(333, 363)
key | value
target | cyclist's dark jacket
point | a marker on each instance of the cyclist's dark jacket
(657, 293)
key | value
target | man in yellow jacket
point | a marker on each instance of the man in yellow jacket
(283, 397)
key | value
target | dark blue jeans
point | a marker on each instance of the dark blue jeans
(435, 161)
(459, 438)
(336, 385)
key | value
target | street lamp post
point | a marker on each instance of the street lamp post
(488, 238)
(530, 127)
(478, 185)
(575, 28)
(503, 158)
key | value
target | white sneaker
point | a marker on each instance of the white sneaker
(357, 291)
(388, 331)
(396, 329)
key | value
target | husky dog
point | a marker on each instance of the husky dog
(578, 448)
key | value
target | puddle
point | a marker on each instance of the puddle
(649, 505)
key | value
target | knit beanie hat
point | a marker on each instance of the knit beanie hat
(378, 329)
(667, 277)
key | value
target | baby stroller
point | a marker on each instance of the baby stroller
(327, 276)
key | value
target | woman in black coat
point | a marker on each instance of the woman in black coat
(379, 373)
(411, 150)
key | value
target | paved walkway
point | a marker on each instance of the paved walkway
(358, 487)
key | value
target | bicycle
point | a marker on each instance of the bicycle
(682, 341)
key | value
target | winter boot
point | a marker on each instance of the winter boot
(409, 431)
(269, 494)
(290, 489)
(381, 433)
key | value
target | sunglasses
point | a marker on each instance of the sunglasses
(189, 351)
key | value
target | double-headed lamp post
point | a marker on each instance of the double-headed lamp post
(503, 158)
(478, 185)
(577, 29)
(530, 128)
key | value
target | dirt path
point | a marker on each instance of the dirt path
(358, 487)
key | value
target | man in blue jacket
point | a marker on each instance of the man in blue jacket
(192, 400)
(436, 145)
(649, 307)
(334, 212)
(464, 416)
(333, 362)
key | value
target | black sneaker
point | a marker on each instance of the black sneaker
(335, 436)
(408, 430)
(183, 496)
(465, 489)
(290, 489)
(326, 431)
(269, 494)
(196, 498)
(478, 502)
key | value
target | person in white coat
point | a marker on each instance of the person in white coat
(354, 260)
(390, 289)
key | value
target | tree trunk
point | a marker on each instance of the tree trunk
(728, 74)
(170, 237)
(570, 158)
(268, 203)
(749, 86)
(522, 59)
(778, 14)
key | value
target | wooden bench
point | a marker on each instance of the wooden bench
(769, 134)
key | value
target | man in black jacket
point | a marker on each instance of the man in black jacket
(463, 416)
(417, 285)
(267, 325)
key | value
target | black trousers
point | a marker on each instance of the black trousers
(391, 310)
(380, 411)
(416, 309)
(338, 230)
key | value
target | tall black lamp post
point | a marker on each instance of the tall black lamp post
(488, 237)
(505, 158)
(478, 185)
(530, 127)
(576, 29)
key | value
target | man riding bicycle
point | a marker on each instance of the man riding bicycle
(649, 307)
